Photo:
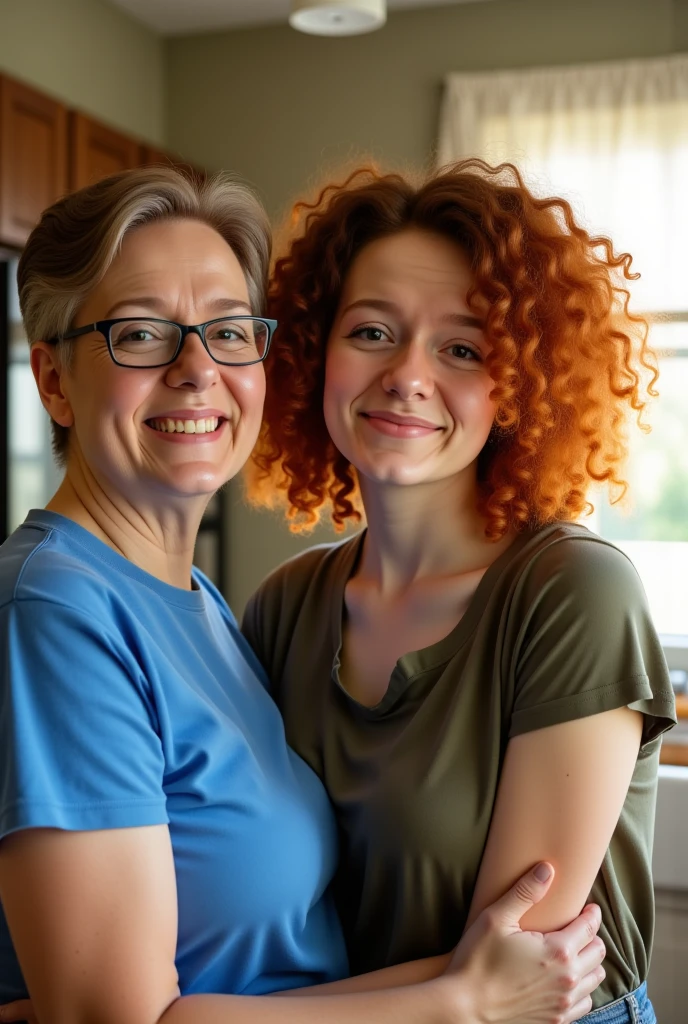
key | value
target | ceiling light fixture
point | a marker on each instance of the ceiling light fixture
(337, 17)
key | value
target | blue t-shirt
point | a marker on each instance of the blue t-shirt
(125, 701)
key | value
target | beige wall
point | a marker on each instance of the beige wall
(280, 108)
(89, 54)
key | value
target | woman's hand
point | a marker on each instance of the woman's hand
(498, 974)
(21, 1010)
(524, 977)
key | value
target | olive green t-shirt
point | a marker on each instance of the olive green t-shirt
(558, 629)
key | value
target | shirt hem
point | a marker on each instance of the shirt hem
(635, 691)
(82, 817)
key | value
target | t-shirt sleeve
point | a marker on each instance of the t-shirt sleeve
(586, 641)
(79, 748)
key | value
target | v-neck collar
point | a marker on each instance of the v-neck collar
(415, 663)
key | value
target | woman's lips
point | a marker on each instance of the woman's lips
(393, 425)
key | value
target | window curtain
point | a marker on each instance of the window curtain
(612, 138)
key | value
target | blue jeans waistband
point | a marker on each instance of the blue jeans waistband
(635, 1008)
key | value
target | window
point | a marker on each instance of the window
(32, 476)
(613, 140)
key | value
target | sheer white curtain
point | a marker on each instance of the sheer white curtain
(613, 139)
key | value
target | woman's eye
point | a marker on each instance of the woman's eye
(369, 334)
(137, 336)
(139, 333)
(463, 352)
(228, 334)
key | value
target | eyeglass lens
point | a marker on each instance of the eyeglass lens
(150, 343)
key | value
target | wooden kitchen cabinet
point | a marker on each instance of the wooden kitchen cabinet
(96, 151)
(33, 157)
(47, 150)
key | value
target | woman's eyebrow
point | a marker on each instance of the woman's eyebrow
(463, 320)
(153, 303)
(457, 319)
(382, 304)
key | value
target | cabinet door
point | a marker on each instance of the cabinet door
(33, 158)
(96, 151)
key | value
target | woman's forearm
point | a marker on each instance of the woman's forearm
(433, 1002)
(411, 973)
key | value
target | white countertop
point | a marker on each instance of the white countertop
(670, 860)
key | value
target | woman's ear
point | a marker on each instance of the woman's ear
(49, 375)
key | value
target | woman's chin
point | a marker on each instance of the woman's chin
(195, 480)
(394, 474)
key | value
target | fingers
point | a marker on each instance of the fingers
(17, 1011)
(590, 958)
(582, 997)
(523, 895)
(577, 935)
(578, 1011)
(578, 1000)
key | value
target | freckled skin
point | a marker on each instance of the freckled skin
(413, 360)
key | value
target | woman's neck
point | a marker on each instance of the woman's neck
(427, 530)
(158, 539)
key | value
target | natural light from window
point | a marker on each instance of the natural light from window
(630, 186)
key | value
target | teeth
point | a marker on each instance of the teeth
(170, 426)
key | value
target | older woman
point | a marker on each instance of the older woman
(484, 686)
(159, 841)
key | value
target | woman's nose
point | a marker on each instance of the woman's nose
(194, 368)
(410, 373)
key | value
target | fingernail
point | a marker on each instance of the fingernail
(543, 872)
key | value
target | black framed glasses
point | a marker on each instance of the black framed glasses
(147, 342)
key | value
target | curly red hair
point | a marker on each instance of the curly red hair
(568, 360)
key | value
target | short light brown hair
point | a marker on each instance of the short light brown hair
(70, 250)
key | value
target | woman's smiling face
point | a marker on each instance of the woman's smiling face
(407, 391)
(179, 270)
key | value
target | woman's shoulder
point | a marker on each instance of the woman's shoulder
(316, 567)
(37, 564)
(569, 558)
(44, 572)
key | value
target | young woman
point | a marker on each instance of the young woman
(475, 677)
(164, 856)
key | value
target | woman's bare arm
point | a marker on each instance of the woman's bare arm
(413, 972)
(560, 795)
(93, 920)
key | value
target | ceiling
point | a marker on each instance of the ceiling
(185, 17)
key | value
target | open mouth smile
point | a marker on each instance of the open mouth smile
(168, 425)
